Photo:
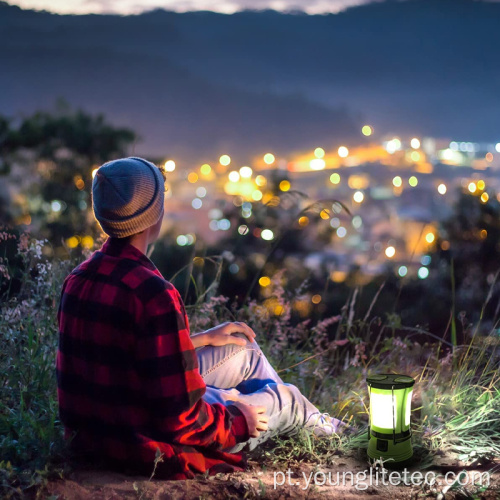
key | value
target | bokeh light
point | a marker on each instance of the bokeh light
(205, 169)
(170, 165)
(246, 172)
(319, 153)
(423, 273)
(267, 235)
(390, 252)
(358, 197)
(316, 299)
(397, 181)
(260, 180)
(234, 176)
(257, 195)
(367, 130)
(317, 164)
(264, 281)
(335, 178)
(343, 152)
(303, 221)
(269, 158)
(284, 185)
(225, 160)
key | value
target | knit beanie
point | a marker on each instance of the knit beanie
(127, 196)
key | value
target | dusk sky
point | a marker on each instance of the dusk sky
(225, 6)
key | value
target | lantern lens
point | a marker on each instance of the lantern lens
(383, 412)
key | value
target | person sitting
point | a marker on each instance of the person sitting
(135, 386)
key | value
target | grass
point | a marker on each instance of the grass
(456, 405)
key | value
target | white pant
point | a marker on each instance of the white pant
(243, 373)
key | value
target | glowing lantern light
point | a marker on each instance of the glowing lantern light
(413, 181)
(485, 197)
(390, 409)
(343, 152)
(497, 147)
(429, 237)
(397, 181)
(472, 187)
(415, 143)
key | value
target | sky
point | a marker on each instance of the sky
(224, 6)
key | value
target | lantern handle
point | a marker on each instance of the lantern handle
(393, 419)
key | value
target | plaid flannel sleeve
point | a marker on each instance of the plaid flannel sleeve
(173, 386)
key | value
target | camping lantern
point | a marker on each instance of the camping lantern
(390, 406)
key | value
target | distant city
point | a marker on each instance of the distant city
(397, 190)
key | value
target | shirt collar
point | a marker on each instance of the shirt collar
(120, 247)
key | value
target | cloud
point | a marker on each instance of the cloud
(225, 6)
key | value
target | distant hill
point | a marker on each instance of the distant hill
(198, 84)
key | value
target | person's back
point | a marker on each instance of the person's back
(130, 387)
(128, 379)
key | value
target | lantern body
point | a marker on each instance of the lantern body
(390, 407)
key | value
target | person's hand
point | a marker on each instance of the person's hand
(256, 417)
(223, 335)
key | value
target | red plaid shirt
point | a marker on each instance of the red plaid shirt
(127, 372)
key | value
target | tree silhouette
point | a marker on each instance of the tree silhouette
(49, 158)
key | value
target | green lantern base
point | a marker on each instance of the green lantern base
(386, 449)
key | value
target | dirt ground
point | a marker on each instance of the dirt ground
(344, 480)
